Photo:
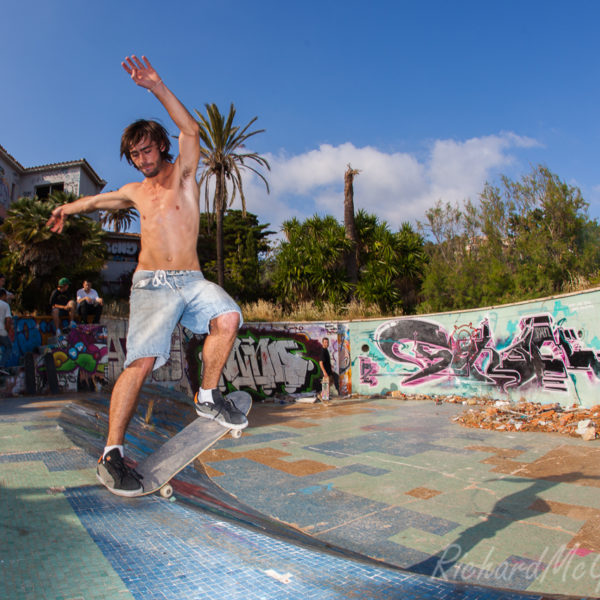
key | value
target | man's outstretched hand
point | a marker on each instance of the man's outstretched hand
(141, 71)
(56, 222)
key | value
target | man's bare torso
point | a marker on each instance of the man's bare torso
(169, 219)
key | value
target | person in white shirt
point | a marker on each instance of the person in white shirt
(7, 332)
(89, 303)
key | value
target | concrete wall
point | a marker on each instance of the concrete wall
(80, 357)
(546, 351)
(267, 358)
(71, 176)
(8, 183)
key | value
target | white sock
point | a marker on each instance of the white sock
(206, 396)
(107, 449)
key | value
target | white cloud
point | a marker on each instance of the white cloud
(396, 186)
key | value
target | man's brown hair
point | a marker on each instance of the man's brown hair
(137, 131)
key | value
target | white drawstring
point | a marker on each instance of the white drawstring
(160, 278)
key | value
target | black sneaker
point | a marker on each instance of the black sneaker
(222, 410)
(117, 476)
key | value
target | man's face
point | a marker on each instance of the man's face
(146, 157)
(87, 286)
(63, 288)
(325, 343)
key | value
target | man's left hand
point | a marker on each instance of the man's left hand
(141, 71)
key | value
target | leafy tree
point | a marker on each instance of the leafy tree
(447, 283)
(391, 264)
(310, 263)
(223, 162)
(525, 239)
(34, 258)
(246, 246)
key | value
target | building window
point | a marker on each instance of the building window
(43, 191)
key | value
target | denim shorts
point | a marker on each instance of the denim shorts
(161, 299)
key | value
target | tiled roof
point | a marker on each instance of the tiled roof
(82, 162)
(11, 159)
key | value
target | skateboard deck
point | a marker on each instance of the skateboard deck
(178, 452)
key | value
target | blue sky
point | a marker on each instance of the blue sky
(429, 99)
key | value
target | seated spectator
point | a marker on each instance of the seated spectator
(88, 303)
(7, 332)
(9, 296)
(62, 305)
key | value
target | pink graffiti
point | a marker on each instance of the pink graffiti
(368, 371)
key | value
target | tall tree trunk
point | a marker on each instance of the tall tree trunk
(350, 225)
(220, 213)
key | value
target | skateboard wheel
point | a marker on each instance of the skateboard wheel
(166, 491)
(236, 433)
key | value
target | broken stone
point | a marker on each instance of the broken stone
(586, 429)
(589, 434)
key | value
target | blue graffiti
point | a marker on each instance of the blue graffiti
(27, 339)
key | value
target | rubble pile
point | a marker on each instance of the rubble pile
(503, 415)
(530, 416)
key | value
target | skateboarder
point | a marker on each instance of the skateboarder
(168, 285)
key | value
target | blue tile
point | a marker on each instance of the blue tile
(166, 550)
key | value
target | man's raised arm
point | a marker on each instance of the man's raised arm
(107, 201)
(144, 75)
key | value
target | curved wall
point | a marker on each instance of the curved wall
(545, 350)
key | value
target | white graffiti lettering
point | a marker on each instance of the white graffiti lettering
(265, 364)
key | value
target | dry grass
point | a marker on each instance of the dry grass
(576, 283)
(116, 309)
(268, 312)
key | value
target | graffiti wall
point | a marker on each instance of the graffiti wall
(546, 351)
(30, 333)
(173, 374)
(271, 359)
(267, 359)
(80, 357)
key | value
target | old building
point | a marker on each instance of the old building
(16, 181)
(79, 178)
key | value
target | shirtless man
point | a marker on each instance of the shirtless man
(168, 285)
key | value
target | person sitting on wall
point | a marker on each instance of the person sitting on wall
(7, 332)
(88, 303)
(9, 296)
(62, 305)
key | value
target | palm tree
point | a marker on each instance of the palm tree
(221, 143)
(352, 258)
(309, 263)
(119, 219)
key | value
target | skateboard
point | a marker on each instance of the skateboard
(175, 454)
(324, 390)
